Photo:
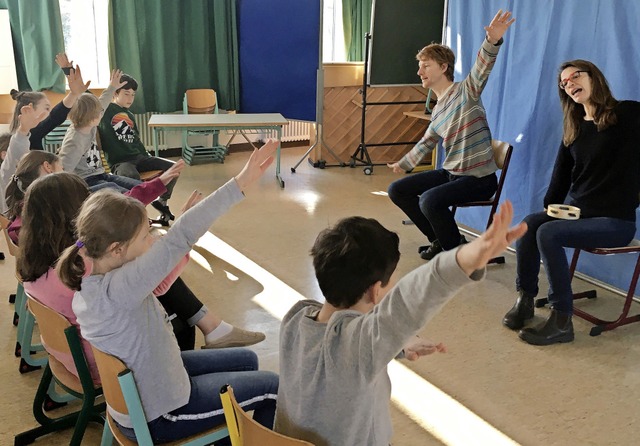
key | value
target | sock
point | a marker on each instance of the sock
(220, 331)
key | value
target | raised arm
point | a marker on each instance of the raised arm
(486, 58)
(418, 296)
(114, 83)
(135, 280)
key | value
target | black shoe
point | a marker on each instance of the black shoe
(556, 329)
(164, 209)
(432, 251)
(162, 220)
(521, 311)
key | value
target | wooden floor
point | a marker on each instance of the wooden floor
(490, 389)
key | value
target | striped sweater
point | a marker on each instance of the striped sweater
(460, 120)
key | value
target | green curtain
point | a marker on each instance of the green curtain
(36, 29)
(356, 20)
(174, 45)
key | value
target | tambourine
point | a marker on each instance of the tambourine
(563, 211)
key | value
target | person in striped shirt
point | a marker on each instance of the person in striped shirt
(459, 120)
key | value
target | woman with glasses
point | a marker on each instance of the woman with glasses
(597, 168)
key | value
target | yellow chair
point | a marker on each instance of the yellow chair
(59, 335)
(244, 431)
(121, 393)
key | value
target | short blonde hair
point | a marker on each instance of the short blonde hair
(86, 109)
(439, 54)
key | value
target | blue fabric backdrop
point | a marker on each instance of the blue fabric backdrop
(521, 96)
(279, 53)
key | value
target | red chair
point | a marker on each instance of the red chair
(624, 318)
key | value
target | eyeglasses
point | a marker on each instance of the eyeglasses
(574, 77)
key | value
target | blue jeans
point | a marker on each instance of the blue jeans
(546, 239)
(105, 180)
(426, 198)
(208, 371)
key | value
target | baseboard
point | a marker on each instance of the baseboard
(233, 148)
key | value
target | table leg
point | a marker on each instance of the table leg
(278, 177)
(155, 140)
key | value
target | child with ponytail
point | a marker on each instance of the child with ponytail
(118, 314)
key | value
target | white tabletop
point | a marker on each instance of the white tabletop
(223, 120)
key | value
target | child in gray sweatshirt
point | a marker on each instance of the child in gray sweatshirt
(118, 314)
(335, 389)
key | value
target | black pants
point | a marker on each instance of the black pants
(181, 301)
(143, 163)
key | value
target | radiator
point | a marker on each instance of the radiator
(294, 131)
(146, 134)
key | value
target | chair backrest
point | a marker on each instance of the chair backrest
(200, 101)
(502, 156)
(53, 140)
(4, 224)
(244, 431)
(59, 335)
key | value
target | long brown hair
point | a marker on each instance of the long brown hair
(601, 98)
(106, 217)
(50, 206)
(23, 98)
(27, 172)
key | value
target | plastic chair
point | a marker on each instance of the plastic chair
(121, 393)
(53, 140)
(59, 335)
(244, 431)
(502, 156)
(624, 318)
(201, 101)
(24, 349)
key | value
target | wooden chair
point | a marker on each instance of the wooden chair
(502, 156)
(121, 393)
(25, 349)
(201, 101)
(244, 431)
(59, 335)
(624, 318)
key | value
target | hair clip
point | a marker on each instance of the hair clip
(79, 244)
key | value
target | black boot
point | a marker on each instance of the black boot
(557, 328)
(433, 250)
(521, 311)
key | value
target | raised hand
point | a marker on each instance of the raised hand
(76, 84)
(63, 61)
(28, 119)
(195, 198)
(114, 80)
(494, 241)
(172, 172)
(417, 347)
(258, 162)
(498, 26)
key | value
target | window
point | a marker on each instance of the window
(333, 47)
(86, 33)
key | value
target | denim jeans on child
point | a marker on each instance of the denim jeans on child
(209, 370)
(546, 238)
(105, 180)
(427, 196)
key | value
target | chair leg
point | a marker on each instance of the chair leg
(26, 354)
(107, 436)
